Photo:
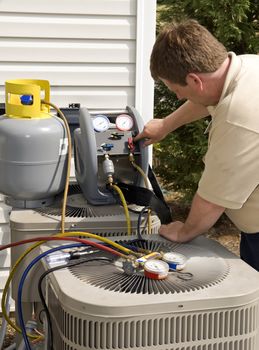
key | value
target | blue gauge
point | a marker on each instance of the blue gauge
(176, 261)
(101, 123)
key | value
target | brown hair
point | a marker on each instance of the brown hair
(183, 48)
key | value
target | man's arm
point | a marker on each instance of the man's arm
(157, 129)
(202, 216)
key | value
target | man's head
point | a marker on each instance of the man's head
(184, 48)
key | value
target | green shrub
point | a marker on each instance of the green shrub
(178, 158)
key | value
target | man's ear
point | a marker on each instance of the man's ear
(194, 81)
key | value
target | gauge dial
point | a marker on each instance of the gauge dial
(175, 261)
(124, 122)
(156, 269)
(101, 123)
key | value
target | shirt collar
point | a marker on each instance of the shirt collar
(233, 71)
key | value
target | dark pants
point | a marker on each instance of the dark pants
(249, 249)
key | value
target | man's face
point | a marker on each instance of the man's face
(184, 92)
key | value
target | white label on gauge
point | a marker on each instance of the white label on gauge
(101, 123)
(124, 122)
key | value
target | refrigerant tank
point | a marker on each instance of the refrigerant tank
(33, 146)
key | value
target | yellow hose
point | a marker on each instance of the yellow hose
(64, 204)
(62, 221)
(138, 168)
(6, 288)
(126, 210)
(18, 261)
(63, 215)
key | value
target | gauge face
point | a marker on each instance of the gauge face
(174, 257)
(124, 122)
(156, 266)
(101, 123)
(176, 261)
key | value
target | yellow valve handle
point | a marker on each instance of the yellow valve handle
(36, 89)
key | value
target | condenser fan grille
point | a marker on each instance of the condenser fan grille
(78, 207)
(203, 269)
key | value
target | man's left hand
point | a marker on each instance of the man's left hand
(174, 232)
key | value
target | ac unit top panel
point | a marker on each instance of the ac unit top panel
(80, 215)
(233, 283)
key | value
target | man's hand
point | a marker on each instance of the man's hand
(201, 218)
(173, 232)
(154, 131)
(157, 129)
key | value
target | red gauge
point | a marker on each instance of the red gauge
(124, 122)
(156, 269)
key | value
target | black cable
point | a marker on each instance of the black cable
(40, 315)
(139, 223)
(140, 213)
(42, 298)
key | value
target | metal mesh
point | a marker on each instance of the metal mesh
(78, 207)
(110, 276)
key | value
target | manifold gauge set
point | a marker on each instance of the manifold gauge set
(156, 265)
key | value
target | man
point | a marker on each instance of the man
(195, 66)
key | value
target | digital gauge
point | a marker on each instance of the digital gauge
(101, 123)
(156, 269)
(124, 122)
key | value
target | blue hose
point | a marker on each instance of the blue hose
(21, 284)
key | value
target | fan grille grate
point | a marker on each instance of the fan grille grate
(207, 269)
(77, 206)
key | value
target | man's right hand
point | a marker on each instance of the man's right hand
(154, 131)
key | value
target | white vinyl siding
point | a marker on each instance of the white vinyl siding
(87, 49)
(93, 52)
(79, 7)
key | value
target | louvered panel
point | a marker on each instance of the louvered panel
(4, 233)
(67, 26)
(157, 332)
(64, 74)
(103, 98)
(57, 50)
(5, 260)
(105, 7)
(4, 213)
(3, 275)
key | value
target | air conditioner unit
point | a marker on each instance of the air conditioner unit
(98, 306)
(108, 221)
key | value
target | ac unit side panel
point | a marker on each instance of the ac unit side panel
(230, 328)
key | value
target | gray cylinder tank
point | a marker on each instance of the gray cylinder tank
(33, 160)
